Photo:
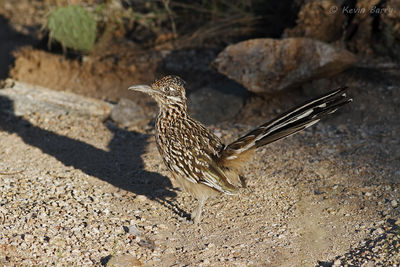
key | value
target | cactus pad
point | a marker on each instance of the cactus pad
(73, 27)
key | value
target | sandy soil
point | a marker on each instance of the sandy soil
(86, 190)
(79, 191)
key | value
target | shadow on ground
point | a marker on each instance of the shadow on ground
(121, 166)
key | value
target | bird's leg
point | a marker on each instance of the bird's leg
(196, 214)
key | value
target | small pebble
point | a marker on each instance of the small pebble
(379, 231)
(141, 198)
(211, 245)
(133, 230)
(162, 226)
(124, 260)
(394, 203)
(206, 261)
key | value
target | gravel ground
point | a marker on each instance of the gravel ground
(80, 191)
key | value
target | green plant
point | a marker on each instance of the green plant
(73, 27)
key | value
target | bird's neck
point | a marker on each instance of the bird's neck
(173, 111)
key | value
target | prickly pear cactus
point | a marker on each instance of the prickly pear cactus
(73, 27)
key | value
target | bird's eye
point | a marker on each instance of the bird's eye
(168, 89)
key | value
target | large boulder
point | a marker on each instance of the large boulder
(271, 65)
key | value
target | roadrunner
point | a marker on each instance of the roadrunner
(198, 160)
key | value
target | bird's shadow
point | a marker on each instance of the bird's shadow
(121, 165)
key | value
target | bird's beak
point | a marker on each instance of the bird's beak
(144, 88)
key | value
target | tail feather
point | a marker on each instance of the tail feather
(287, 124)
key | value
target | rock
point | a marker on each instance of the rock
(141, 198)
(123, 261)
(351, 22)
(390, 17)
(216, 103)
(3, 212)
(360, 30)
(320, 20)
(128, 113)
(394, 203)
(271, 65)
(210, 245)
(379, 231)
(133, 230)
(21, 99)
(337, 263)
(205, 262)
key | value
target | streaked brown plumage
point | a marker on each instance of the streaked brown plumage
(200, 162)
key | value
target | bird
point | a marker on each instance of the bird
(202, 165)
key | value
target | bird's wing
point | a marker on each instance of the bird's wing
(193, 154)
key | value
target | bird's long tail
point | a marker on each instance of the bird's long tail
(286, 124)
